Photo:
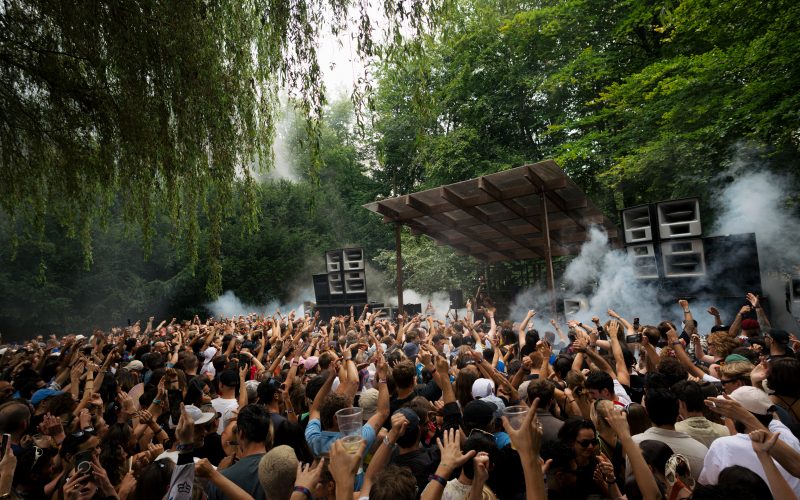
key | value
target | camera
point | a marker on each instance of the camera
(84, 467)
(632, 339)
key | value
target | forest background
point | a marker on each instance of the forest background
(102, 219)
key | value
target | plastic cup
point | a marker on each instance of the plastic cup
(516, 415)
(350, 423)
(350, 420)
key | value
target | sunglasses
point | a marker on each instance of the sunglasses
(480, 432)
(585, 443)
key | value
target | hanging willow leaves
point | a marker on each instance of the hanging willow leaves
(160, 106)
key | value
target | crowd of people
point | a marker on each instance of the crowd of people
(291, 407)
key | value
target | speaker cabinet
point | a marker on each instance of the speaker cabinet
(355, 282)
(575, 305)
(679, 219)
(333, 261)
(645, 265)
(322, 293)
(353, 259)
(336, 284)
(683, 258)
(637, 224)
(793, 299)
(456, 299)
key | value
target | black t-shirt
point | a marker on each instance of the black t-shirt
(212, 449)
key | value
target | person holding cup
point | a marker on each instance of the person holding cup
(332, 416)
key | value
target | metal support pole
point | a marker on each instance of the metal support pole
(399, 278)
(551, 286)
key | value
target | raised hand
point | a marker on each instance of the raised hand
(763, 441)
(618, 422)
(450, 450)
(529, 435)
(343, 465)
(713, 311)
(753, 299)
(308, 475)
(683, 303)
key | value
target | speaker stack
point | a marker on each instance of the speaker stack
(664, 239)
(345, 281)
(666, 244)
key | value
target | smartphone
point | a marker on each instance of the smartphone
(6, 438)
(83, 461)
(175, 399)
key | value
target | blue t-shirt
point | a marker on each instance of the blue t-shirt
(321, 441)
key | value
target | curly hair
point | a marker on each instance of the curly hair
(723, 344)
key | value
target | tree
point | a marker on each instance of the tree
(162, 105)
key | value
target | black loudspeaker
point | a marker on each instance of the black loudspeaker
(645, 262)
(732, 265)
(322, 293)
(637, 224)
(683, 258)
(679, 219)
(456, 299)
(412, 309)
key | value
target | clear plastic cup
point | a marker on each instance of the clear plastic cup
(350, 420)
(516, 415)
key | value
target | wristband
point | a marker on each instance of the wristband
(305, 491)
(685, 311)
(438, 479)
(185, 448)
(676, 342)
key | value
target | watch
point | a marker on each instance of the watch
(389, 443)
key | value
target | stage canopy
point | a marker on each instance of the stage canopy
(503, 216)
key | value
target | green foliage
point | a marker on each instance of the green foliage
(428, 268)
(160, 106)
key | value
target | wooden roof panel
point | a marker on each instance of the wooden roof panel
(500, 216)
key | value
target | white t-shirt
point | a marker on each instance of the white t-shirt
(622, 396)
(225, 407)
(738, 450)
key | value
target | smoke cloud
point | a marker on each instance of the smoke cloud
(755, 202)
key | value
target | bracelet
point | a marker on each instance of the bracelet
(184, 448)
(305, 491)
(381, 380)
(685, 311)
(676, 342)
(438, 479)
(156, 401)
(611, 481)
(289, 410)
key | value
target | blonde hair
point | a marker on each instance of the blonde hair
(723, 343)
(736, 369)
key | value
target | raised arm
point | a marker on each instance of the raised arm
(623, 375)
(737, 322)
(528, 441)
(523, 328)
(763, 442)
(680, 353)
(641, 471)
(313, 413)
(713, 311)
(628, 327)
(688, 319)
(763, 321)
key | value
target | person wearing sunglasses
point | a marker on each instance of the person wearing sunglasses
(580, 434)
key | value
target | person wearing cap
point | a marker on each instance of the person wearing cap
(227, 402)
(777, 342)
(737, 449)
(407, 449)
(269, 396)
